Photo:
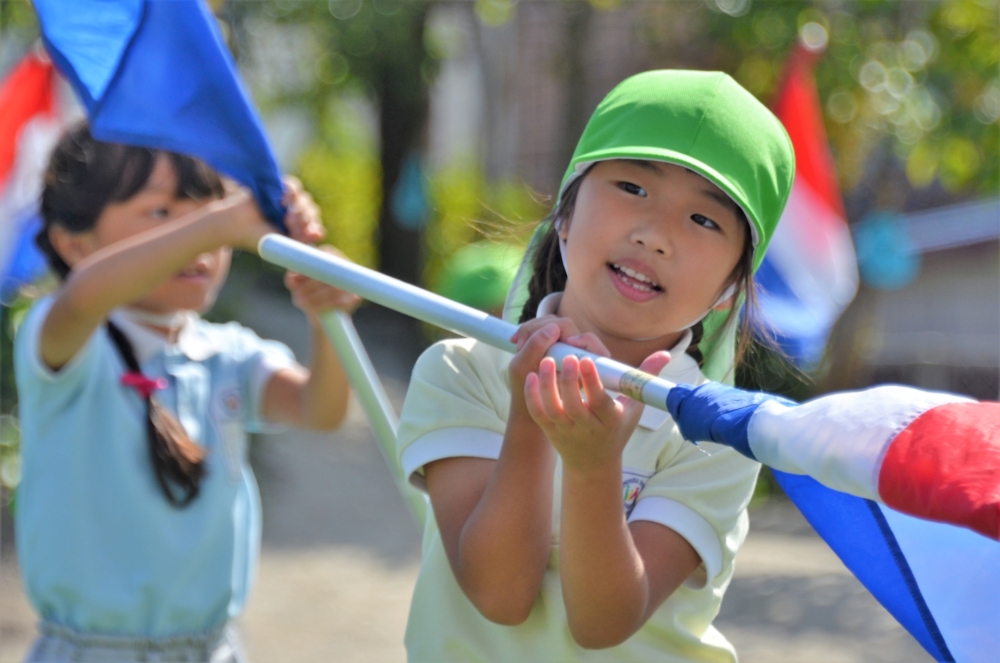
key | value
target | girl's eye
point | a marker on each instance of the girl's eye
(705, 222)
(160, 213)
(634, 189)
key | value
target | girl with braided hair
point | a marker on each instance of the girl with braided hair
(138, 518)
(568, 524)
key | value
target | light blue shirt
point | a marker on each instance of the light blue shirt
(100, 548)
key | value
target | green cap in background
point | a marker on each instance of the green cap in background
(480, 274)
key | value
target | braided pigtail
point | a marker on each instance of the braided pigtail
(178, 462)
(548, 274)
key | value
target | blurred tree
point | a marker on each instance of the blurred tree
(911, 94)
(911, 85)
(376, 46)
(16, 14)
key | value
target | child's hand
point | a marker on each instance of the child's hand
(568, 333)
(302, 218)
(533, 339)
(588, 430)
(313, 297)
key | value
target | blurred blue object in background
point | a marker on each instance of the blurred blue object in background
(888, 259)
(26, 265)
(410, 206)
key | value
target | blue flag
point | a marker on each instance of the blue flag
(157, 73)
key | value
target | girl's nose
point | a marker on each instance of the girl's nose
(652, 238)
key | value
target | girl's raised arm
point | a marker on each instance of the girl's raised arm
(107, 276)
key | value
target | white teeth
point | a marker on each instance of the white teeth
(631, 273)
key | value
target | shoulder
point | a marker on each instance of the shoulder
(457, 382)
(28, 361)
(461, 359)
(33, 319)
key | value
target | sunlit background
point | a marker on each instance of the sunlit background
(423, 126)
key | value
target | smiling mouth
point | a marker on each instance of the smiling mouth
(634, 279)
(198, 271)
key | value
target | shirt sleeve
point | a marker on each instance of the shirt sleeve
(28, 355)
(456, 405)
(702, 493)
(261, 359)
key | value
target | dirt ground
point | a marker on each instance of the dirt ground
(340, 551)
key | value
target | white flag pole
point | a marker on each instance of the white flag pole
(443, 312)
(345, 340)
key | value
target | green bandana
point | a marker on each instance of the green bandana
(707, 123)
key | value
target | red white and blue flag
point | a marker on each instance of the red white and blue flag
(903, 484)
(33, 113)
(810, 272)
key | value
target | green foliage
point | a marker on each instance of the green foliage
(10, 437)
(17, 14)
(364, 44)
(920, 77)
(466, 208)
(342, 171)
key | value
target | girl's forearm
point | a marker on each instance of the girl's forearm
(126, 270)
(604, 582)
(504, 545)
(119, 274)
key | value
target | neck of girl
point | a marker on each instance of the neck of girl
(168, 325)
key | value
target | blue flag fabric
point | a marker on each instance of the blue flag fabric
(157, 73)
(857, 530)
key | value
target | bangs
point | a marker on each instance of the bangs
(124, 169)
(195, 179)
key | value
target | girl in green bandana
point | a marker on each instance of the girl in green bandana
(570, 524)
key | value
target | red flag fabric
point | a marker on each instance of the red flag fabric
(800, 110)
(810, 272)
(27, 92)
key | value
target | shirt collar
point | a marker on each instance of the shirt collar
(682, 369)
(146, 343)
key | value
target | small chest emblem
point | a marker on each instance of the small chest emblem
(231, 402)
(633, 482)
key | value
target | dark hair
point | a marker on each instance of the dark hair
(549, 275)
(84, 176)
(178, 463)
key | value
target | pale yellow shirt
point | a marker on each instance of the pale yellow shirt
(457, 405)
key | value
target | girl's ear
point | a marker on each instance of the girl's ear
(562, 228)
(71, 247)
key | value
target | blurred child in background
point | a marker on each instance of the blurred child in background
(138, 517)
(480, 274)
